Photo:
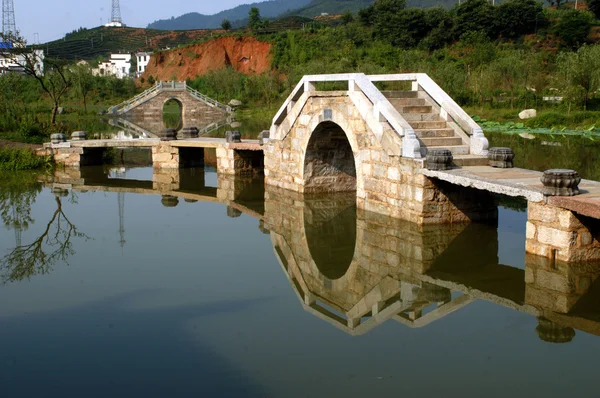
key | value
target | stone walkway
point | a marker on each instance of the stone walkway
(521, 182)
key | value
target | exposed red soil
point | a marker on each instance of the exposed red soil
(244, 54)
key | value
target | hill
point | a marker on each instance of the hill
(90, 44)
(317, 7)
(268, 9)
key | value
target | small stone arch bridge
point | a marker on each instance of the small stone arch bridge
(150, 103)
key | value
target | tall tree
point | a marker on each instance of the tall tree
(83, 82)
(226, 25)
(580, 72)
(51, 74)
(254, 19)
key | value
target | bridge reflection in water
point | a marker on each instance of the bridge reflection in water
(357, 270)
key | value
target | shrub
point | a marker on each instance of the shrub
(13, 159)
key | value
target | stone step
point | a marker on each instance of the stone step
(422, 125)
(399, 102)
(421, 117)
(401, 94)
(415, 109)
(455, 149)
(470, 160)
(434, 133)
(441, 142)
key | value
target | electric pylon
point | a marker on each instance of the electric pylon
(8, 18)
(115, 16)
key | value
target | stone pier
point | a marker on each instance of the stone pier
(562, 235)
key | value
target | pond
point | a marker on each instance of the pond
(118, 281)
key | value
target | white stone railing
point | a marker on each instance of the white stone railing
(382, 109)
(214, 103)
(127, 104)
(159, 87)
(449, 108)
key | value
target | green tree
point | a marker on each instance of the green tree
(516, 18)
(473, 16)
(83, 82)
(594, 7)
(347, 18)
(254, 19)
(573, 27)
(226, 25)
(580, 72)
(51, 74)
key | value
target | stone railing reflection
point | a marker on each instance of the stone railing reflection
(357, 269)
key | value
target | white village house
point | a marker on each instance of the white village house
(10, 63)
(119, 65)
(143, 58)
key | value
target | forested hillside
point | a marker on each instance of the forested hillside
(269, 9)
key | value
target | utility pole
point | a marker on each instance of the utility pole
(9, 26)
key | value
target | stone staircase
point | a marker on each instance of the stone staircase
(432, 131)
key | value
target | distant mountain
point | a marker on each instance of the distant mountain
(318, 7)
(268, 9)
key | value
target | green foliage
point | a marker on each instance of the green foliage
(254, 20)
(572, 27)
(579, 72)
(473, 16)
(516, 18)
(594, 7)
(13, 159)
(226, 25)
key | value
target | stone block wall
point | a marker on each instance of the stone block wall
(384, 250)
(192, 109)
(555, 285)
(386, 183)
(165, 156)
(560, 234)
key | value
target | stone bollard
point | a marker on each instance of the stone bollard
(169, 201)
(233, 136)
(561, 182)
(58, 138)
(551, 332)
(60, 192)
(263, 137)
(169, 135)
(188, 132)
(79, 136)
(439, 159)
(233, 212)
(501, 158)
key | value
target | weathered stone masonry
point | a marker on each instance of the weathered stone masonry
(386, 183)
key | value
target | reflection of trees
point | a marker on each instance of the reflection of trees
(18, 192)
(54, 244)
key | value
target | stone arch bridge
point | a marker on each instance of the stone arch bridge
(194, 105)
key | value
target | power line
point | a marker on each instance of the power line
(9, 26)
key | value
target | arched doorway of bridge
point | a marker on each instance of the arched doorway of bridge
(329, 164)
(330, 228)
(173, 114)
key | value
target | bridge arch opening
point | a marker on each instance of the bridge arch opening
(330, 227)
(329, 164)
(172, 113)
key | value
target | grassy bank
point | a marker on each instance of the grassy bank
(14, 159)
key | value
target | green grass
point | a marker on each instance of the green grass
(14, 159)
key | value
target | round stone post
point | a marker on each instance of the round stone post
(188, 132)
(233, 136)
(501, 158)
(79, 136)
(58, 138)
(439, 159)
(561, 182)
(169, 135)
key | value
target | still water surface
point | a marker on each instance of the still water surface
(126, 291)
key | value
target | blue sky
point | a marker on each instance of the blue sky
(52, 19)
